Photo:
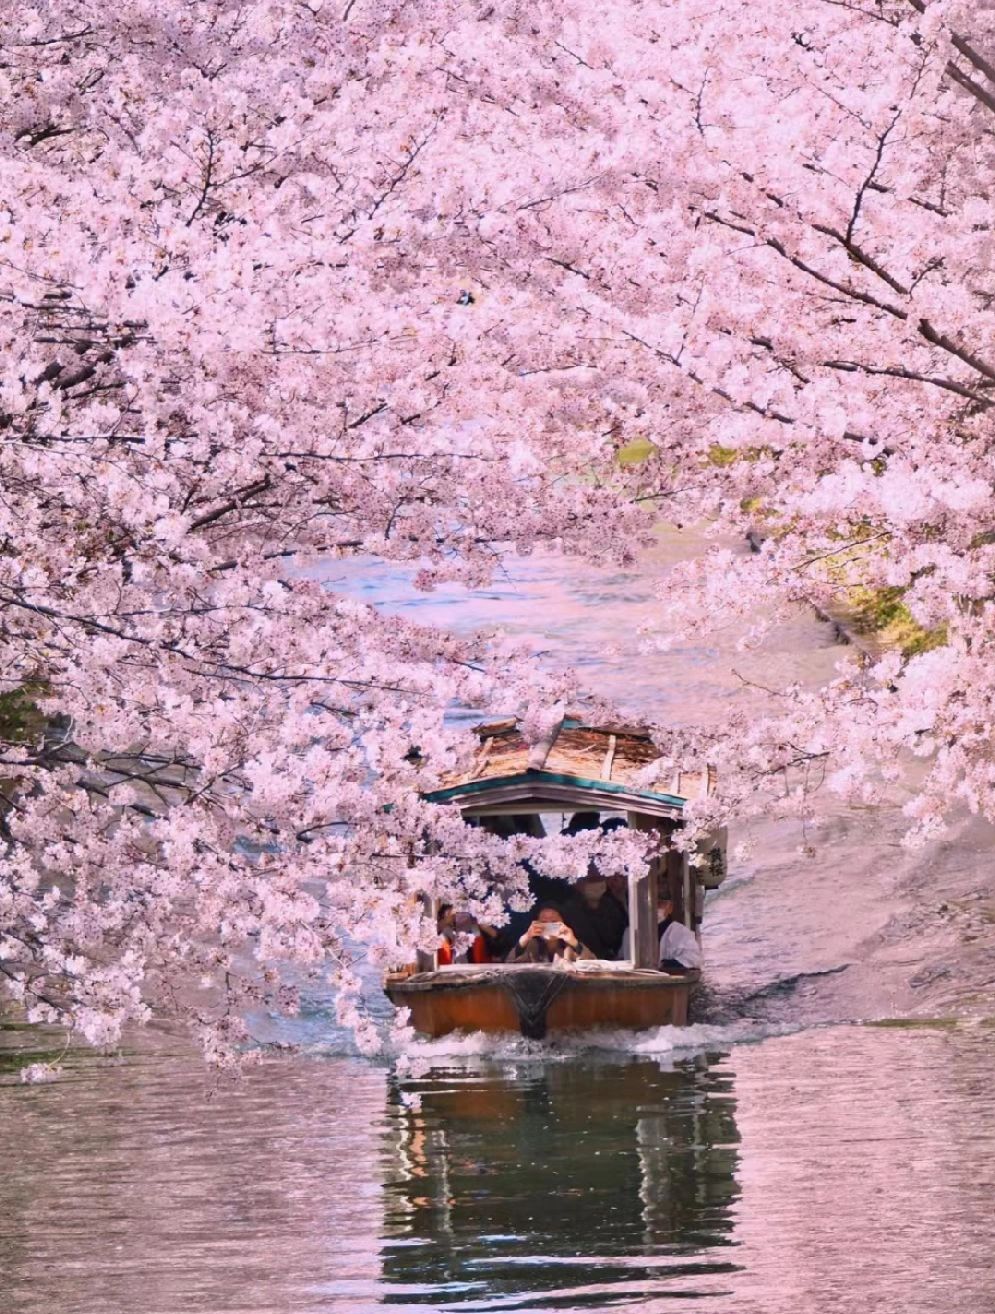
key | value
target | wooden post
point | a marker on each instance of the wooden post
(642, 904)
(674, 883)
(429, 962)
(699, 906)
(687, 897)
(541, 750)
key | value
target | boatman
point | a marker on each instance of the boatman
(679, 949)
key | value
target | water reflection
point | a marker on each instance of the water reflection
(824, 1172)
(146, 1187)
(867, 1171)
(573, 1180)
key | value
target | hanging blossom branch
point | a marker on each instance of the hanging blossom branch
(281, 285)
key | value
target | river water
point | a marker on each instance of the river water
(822, 1138)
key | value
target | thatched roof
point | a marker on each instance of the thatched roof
(602, 767)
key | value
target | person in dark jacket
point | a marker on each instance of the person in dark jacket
(548, 939)
(595, 916)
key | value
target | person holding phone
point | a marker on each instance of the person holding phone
(548, 939)
(449, 924)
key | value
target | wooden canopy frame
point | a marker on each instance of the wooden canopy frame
(591, 768)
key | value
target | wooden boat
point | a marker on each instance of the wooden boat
(587, 768)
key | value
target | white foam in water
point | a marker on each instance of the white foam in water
(417, 1055)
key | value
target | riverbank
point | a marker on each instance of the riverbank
(873, 620)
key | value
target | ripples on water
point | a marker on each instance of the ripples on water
(837, 1169)
(598, 621)
(864, 929)
(818, 1170)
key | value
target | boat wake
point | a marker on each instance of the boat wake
(763, 1003)
(416, 1057)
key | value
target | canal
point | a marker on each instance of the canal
(821, 1139)
(829, 1169)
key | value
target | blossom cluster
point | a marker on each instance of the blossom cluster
(284, 282)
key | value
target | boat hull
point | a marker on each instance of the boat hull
(534, 1000)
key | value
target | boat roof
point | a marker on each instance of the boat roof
(580, 765)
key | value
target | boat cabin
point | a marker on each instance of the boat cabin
(516, 787)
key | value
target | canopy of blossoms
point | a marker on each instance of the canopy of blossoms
(286, 281)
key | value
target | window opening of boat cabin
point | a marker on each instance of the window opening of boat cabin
(624, 891)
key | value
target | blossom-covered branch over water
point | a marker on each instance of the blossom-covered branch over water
(283, 282)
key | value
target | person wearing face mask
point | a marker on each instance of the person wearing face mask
(595, 916)
(591, 911)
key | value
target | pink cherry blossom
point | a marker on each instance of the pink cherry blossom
(285, 282)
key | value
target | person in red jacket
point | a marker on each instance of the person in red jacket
(449, 924)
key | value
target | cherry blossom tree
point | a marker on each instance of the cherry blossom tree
(285, 281)
(836, 321)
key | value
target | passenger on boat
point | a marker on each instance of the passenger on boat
(582, 821)
(679, 949)
(446, 926)
(549, 939)
(618, 882)
(449, 923)
(502, 939)
(594, 915)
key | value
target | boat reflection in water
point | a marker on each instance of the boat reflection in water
(563, 1185)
